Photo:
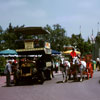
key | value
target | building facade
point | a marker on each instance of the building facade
(96, 47)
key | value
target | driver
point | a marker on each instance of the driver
(73, 54)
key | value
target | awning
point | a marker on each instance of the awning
(55, 52)
(8, 52)
(69, 51)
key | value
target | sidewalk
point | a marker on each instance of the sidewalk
(2, 81)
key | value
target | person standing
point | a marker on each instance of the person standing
(8, 73)
(14, 69)
(98, 64)
(57, 65)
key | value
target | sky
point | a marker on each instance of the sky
(74, 16)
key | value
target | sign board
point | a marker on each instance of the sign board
(48, 64)
(47, 45)
(47, 51)
(29, 45)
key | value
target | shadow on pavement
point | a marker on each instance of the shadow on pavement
(99, 81)
(59, 82)
(71, 81)
(23, 84)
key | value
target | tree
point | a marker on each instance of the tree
(56, 37)
(1, 30)
(1, 38)
(78, 42)
(10, 37)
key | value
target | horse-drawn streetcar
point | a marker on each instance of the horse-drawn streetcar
(80, 68)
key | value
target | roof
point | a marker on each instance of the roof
(31, 30)
(69, 51)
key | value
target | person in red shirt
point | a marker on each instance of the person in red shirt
(73, 54)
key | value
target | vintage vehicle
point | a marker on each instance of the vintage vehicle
(78, 72)
(34, 57)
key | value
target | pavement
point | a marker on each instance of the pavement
(55, 89)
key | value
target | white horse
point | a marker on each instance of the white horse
(65, 68)
(80, 66)
(82, 69)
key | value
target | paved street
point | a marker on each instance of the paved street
(53, 90)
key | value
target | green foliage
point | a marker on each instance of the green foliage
(2, 61)
(2, 65)
(56, 37)
(98, 39)
(9, 37)
(1, 30)
(77, 41)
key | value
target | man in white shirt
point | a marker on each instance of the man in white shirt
(98, 64)
(8, 73)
